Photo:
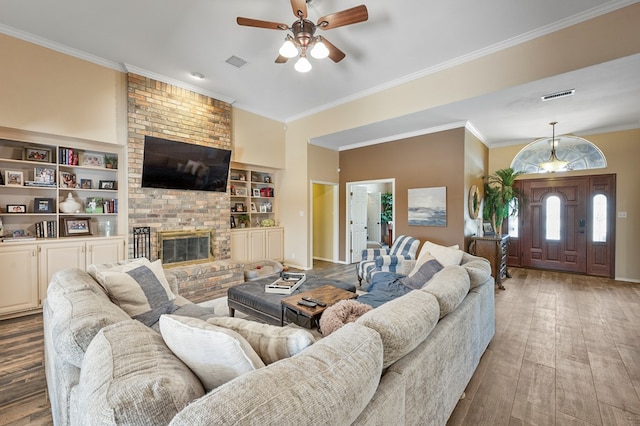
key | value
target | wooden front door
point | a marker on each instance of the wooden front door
(557, 227)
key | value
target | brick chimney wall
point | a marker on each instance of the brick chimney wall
(165, 111)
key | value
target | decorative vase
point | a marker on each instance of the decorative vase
(69, 205)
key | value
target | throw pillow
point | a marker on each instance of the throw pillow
(426, 267)
(214, 354)
(343, 312)
(271, 343)
(138, 287)
(445, 255)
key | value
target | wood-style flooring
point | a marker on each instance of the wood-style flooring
(566, 352)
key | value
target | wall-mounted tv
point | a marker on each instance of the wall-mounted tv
(178, 165)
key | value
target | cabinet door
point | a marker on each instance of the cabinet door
(239, 245)
(256, 241)
(275, 244)
(19, 283)
(58, 256)
(105, 251)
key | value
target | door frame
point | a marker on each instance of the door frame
(348, 186)
(336, 223)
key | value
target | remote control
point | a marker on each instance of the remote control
(308, 304)
(317, 302)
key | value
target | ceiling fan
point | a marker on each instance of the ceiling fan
(303, 38)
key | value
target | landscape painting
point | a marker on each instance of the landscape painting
(428, 206)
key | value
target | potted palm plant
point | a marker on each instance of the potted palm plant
(498, 196)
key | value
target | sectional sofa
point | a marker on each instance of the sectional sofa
(407, 361)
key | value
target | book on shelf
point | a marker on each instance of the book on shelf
(46, 229)
(287, 283)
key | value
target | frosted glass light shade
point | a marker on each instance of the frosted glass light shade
(319, 50)
(303, 65)
(288, 49)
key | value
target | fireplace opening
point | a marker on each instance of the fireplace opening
(177, 248)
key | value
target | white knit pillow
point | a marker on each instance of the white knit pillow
(214, 354)
(447, 256)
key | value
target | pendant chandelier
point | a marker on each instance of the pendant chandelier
(553, 164)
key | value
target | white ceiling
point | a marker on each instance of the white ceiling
(168, 40)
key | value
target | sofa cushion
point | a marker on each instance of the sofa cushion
(331, 383)
(478, 268)
(130, 377)
(139, 287)
(403, 323)
(216, 355)
(271, 343)
(450, 287)
(426, 267)
(445, 255)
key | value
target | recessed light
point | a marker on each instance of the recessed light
(197, 75)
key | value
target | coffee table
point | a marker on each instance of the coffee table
(251, 299)
(327, 294)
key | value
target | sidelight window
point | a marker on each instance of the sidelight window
(599, 218)
(552, 224)
(512, 221)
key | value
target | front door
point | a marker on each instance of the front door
(567, 225)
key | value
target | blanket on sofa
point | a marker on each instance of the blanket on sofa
(386, 286)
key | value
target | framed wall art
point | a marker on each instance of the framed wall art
(428, 206)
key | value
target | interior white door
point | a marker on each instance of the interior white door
(358, 221)
(374, 203)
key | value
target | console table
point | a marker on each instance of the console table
(495, 250)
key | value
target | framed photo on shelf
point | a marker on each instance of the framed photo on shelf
(37, 154)
(263, 208)
(107, 184)
(253, 208)
(94, 205)
(241, 191)
(75, 226)
(43, 205)
(239, 207)
(44, 175)
(13, 178)
(93, 159)
(16, 208)
(68, 180)
(256, 192)
(487, 229)
(86, 183)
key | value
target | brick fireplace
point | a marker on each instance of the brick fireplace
(162, 110)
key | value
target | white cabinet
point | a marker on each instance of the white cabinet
(26, 269)
(19, 283)
(253, 244)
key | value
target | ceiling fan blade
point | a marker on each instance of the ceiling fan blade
(299, 7)
(335, 54)
(345, 17)
(281, 59)
(249, 22)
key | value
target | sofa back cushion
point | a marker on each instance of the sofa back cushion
(478, 268)
(139, 287)
(130, 377)
(446, 255)
(450, 286)
(215, 354)
(77, 309)
(403, 323)
(331, 382)
(271, 343)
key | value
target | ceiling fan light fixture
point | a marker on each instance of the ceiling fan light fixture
(303, 64)
(288, 48)
(319, 50)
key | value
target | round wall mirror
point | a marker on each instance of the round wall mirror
(474, 201)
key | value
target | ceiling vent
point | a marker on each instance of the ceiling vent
(235, 61)
(558, 95)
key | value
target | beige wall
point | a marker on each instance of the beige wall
(257, 140)
(622, 151)
(476, 159)
(324, 221)
(48, 92)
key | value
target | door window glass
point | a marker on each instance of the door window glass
(553, 218)
(599, 218)
(512, 221)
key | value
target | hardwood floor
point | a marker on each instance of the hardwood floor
(566, 352)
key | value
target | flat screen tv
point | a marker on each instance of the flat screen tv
(178, 165)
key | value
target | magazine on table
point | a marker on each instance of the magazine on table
(287, 283)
